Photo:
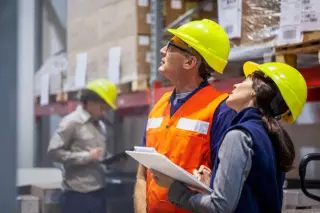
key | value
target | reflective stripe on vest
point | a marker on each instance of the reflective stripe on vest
(184, 138)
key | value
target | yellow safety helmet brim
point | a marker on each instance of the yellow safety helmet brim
(105, 89)
(289, 81)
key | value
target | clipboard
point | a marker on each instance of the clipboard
(151, 159)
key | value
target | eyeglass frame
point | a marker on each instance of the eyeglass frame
(172, 44)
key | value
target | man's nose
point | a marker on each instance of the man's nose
(163, 50)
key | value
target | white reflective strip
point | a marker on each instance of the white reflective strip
(154, 123)
(193, 125)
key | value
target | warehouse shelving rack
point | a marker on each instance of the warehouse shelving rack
(136, 103)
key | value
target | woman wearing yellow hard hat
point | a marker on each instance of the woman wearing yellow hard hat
(255, 152)
(79, 144)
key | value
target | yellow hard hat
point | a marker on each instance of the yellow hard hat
(289, 81)
(209, 39)
(105, 89)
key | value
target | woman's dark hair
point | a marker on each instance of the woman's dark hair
(271, 104)
(88, 95)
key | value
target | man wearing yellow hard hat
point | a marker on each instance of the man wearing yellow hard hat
(187, 123)
(79, 144)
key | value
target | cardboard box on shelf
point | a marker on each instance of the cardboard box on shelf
(49, 196)
(266, 29)
(111, 21)
(28, 204)
(259, 22)
(121, 23)
(134, 59)
(173, 9)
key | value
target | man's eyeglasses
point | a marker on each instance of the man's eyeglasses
(172, 44)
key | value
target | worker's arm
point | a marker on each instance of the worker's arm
(59, 144)
(235, 157)
(140, 198)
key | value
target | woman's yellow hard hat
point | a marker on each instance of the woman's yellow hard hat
(105, 89)
(209, 39)
(289, 81)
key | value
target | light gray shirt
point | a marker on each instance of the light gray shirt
(70, 146)
(235, 157)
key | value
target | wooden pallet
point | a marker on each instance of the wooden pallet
(288, 53)
(62, 97)
(133, 86)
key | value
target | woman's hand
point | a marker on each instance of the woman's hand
(161, 179)
(203, 174)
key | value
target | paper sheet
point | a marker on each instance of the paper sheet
(45, 85)
(81, 70)
(153, 160)
(113, 72)
(230, 16)
(310, 17)
(290, 22)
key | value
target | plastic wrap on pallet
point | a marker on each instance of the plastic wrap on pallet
(260, 22)
(55, 66)
(250, 52)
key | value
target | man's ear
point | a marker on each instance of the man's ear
(190, 62)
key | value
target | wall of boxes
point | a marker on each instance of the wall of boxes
(100, 27)
(96, 27)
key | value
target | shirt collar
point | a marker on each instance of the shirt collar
(202, 85)
(84, 115)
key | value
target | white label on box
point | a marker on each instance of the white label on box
(148, 57)
(290, 35)
(148, 18)
(81, 70)
(45, 86)
(310, 17)
(113, 71)
(144, 40)
(143, 3)
(290, 22)
(208, 7)
(176, 4)
(230, 16)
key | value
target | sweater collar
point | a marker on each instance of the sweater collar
(246, 114)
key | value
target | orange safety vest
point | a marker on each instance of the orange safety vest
(184, 138)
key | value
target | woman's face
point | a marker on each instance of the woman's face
(242, 95)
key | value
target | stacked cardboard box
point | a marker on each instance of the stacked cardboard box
(97, 26)
(260, 21)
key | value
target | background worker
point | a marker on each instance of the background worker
(256, 151)
(186, 124)
(79, 144)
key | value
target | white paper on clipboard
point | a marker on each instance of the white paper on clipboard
(154, 160)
